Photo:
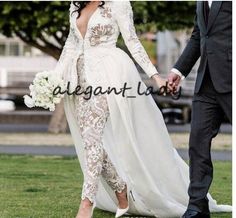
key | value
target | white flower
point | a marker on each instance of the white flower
(29, 102)
(56, 100)
(41, 91)
(52, 107)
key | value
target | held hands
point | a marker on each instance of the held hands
(168, 86)
(174, 81)
(159, 81)
(162, 84)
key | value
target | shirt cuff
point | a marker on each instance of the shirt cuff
(176, 71)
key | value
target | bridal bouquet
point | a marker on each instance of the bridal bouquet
(42, 91)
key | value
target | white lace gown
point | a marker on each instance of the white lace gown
(135, 136)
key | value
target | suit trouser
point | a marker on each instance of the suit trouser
(208, 109)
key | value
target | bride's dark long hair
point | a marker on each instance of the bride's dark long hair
(82, 4)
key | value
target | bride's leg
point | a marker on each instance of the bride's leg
(92, 115)
(93, 153)
(115, 182)
(109, 172)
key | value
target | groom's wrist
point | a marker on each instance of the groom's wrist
(176, 71)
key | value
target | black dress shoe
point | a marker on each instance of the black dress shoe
(195, 214)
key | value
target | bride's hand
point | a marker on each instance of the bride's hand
(160, 82)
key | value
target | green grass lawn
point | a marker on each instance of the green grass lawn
(39, 186)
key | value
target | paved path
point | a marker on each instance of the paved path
(70, 151)
(225, 128)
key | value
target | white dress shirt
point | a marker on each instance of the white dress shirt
(176, 71)
(209, 3)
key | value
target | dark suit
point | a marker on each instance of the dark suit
(212, 42)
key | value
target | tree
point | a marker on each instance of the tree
(45, 25)
(34, 21)
(161, 15)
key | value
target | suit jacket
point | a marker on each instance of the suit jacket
(213, 43)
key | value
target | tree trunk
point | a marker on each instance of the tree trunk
(58, 122)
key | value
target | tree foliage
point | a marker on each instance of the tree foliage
(161, 15)
(45, 24)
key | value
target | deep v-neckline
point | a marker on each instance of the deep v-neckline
(89, 20)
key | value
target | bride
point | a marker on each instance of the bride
(124, 149)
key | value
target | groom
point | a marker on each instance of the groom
(211, 40)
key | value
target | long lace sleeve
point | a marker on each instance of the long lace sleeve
(124, 18)
(67, 51)
(65, 56)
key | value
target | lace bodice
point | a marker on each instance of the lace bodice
(103, 29)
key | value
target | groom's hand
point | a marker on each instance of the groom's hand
(174, 80)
